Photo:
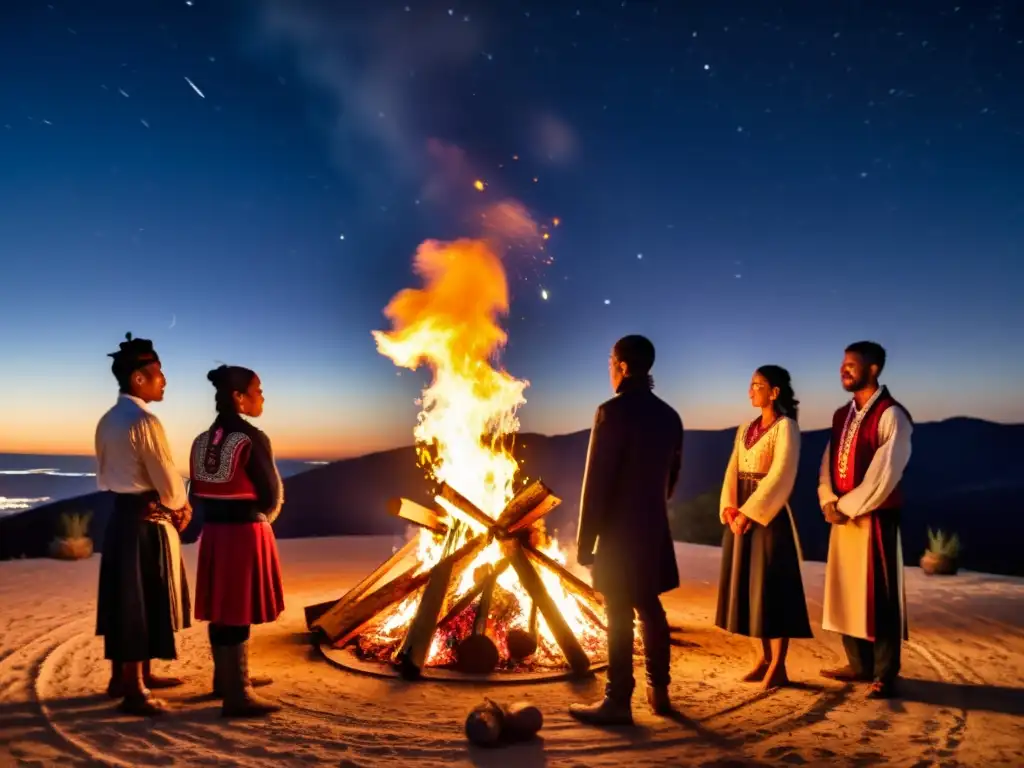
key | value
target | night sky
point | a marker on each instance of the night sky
(744, 182)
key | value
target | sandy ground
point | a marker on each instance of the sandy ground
(963, 692)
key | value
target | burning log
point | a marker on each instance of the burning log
(413, 653)
(574, 583)
(523, 644)
(418, 515)
(351, 621)
(527, 507)
(478, 654)
(467, 508)
(532, 583)
(516, 528)
(467, 599)
(589, 596)
(322, 615)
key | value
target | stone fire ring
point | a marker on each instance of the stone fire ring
(345, 658)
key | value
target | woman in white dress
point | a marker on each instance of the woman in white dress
(761, 593)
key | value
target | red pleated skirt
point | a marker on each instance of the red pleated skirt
(239, 575)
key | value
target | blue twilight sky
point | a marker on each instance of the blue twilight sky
(749, 183)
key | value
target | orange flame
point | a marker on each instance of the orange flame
(451, 325)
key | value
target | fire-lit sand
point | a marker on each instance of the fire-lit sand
(964, 692)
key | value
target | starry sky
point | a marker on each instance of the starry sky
(744, 182)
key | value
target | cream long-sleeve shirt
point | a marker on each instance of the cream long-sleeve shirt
(883, 473)
(133, 455)
(775, 456)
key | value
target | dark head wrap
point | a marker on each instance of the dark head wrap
(134, 354)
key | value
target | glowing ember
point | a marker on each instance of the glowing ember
(468, 416)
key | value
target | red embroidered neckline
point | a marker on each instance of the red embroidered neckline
(755, 431)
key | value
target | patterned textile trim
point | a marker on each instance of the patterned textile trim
(230, 450)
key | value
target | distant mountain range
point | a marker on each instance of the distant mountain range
(963, 478)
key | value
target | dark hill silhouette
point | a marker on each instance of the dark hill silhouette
(961, 477)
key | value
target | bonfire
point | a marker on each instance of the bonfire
(482, 586)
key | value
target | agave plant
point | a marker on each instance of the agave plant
(72, 541)
(943, 545)
(74, 526)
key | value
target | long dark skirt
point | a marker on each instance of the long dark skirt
(134, 612)
(760, 591)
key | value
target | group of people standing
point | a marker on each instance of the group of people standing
(633, 466)
(143, 591)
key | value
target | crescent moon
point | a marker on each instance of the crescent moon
(174, 321)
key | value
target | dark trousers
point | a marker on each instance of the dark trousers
(223, 634)
(654, 626)
(880, 660)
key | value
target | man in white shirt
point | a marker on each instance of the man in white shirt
(143, 594)
(859, 489)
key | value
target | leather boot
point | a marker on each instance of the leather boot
(138, 699)
(844, 674)
(256, 681)
(605, 712)
(659, 701)
(232, 661)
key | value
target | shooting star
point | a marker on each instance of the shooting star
(141, 120)
(174, 321)
(195, 88)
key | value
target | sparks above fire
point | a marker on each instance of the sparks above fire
(482, 586)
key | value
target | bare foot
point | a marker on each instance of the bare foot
(758, 672)
(775, 677)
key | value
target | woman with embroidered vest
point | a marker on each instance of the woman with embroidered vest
(239, 577)
(761, 593)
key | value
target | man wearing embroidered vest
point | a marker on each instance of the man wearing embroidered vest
(860, 495)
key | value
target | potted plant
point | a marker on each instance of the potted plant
(943, 554)
(72, 542)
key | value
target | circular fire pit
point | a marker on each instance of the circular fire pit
(347, 659)
(474, 598)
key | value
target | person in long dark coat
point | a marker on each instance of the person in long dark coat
(633, 464)
(143, 593)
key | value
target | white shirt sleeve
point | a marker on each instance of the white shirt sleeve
(886, 468)
(151, 442)
(731, 482)
(775, 488)
(825, 493)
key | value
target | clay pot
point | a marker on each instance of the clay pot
(71, 549)
(938, 565)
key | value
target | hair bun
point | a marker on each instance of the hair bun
(216, 376)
